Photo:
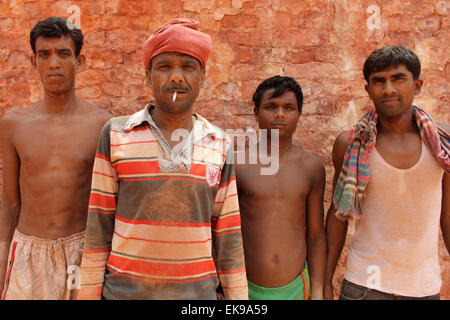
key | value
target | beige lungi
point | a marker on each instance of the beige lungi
(39, 269)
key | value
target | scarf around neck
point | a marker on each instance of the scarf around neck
(354, 176)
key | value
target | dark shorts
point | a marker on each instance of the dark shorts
(351, 291)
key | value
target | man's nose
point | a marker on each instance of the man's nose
(279, 113)
(389, 88)
(54, 61)
(176, 75)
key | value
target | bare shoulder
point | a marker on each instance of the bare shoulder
(12, 116)
(341, 143)
(339, 147)
(21, 113)
(244, 170)
(309, 161)
(341, 140)
(15, 117)
(94, 112)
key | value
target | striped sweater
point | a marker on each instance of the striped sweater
(161, 235)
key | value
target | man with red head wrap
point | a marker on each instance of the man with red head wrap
(164, 219)
(179, 35)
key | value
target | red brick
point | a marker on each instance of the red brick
(430, 24)
(297, 38)
(291, 6)
(239, 22)
(238, 37)
(18, 59)
(408, 8)
(300, 56)
(35, 9)
(59, 8)
(171, 7)
(113, 89)
(90, 23)
(197, 6)
(89, 93)
(19, 94)
(111, 22)
(7, 24)
(135, 8)
(442, 8)
(94, 39)
(112, 6)
(244, 54)
(97, 7)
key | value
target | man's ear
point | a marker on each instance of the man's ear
(81, 60)
(255, 111)
(202, 77)
(33, 61)
(148, 76)
(367, 90)
(418, 86)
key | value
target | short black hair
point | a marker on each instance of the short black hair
(56, 27)
(281, 85)
(388, 56)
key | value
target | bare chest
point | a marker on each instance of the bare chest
(46, 143)
(289, 184)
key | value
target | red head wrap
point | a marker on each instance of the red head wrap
(179, 35)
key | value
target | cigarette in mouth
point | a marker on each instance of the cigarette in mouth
(174, 96)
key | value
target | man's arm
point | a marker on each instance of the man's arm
(10, 207)
(445, 210)
(100, 222)
(227, 236)
(336, 230)
(316, 246)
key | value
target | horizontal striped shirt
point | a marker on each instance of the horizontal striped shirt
(154, 234)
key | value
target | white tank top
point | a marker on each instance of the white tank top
(395, 248)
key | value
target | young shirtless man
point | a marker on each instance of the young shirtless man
(392, 177)
(48, 153)
(282, 214)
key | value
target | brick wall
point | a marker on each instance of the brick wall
(321, 43)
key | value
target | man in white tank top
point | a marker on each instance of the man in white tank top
(392, 176)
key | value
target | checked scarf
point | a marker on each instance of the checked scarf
(352, 182)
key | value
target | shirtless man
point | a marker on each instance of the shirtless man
(282, 214)
(392, 177)
(48, 149)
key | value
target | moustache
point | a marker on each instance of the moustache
(391, 96)
(176, 87)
